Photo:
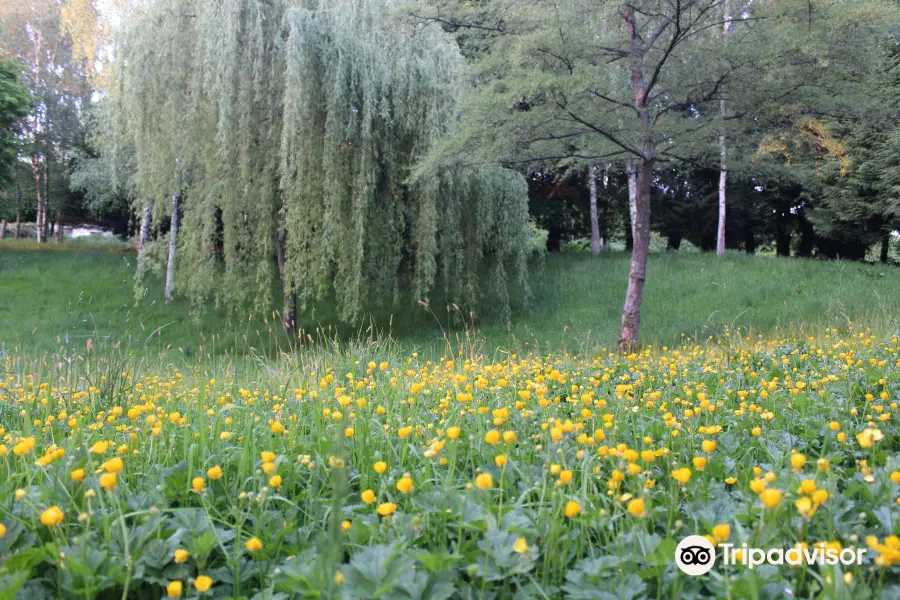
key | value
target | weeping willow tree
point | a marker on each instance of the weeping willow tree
(290, 130)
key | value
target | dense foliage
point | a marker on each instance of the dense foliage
(378, 475)
(289, 134)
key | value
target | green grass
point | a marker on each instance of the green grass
(87, 292)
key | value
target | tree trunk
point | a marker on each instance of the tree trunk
(39, 220)
(723, 146)
(631, 170)
(143, 236)
(674, 241)
(18, 230)
(885, 247)
(46, 212)
(289, 299)
(595, 223)
(173, 238)
(2, 229)
(631, 313)
(59, 227)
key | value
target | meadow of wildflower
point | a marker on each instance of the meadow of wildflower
(367, 471)
(144, 455)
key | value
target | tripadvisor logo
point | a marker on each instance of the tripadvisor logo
(695, 555)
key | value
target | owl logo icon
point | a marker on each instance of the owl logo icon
(695, 555)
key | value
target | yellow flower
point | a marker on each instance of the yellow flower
(492, 437)
(345, 525)
(404, 432)
(275, 481)
(203, 583)
(681, 475)
(214, 473)
(77, 475)
(572, 509)
(699, 462)
(500, 460)
(181, 555)
(277, 427)
(349, 432)
(52, 517)
(108, 481)
(368, 496)
(797, 461)
(708, 446)
(636, 507)
(174, 589)
(895, 477)
(405, 485)
(822, 464)
(113, 465)
(820, 496)
(386, 509)
(484, 481)
(2, 530)
(198, 484)
(758, 485)
(99, 448)
(756, 431)
(338, 578)
(268, 467)
(731, 480)
(888, 552)
(521, 546)
(721, 532)
(804, 505)
(453, 432)
(807, 486)
(267, 456)
(253, 544)
(834, 426)
(770, 497)
(565, 477)
(380, 467)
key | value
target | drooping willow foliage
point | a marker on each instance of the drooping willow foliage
(290, 130)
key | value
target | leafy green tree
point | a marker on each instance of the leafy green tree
(640, 82)
(288, 135)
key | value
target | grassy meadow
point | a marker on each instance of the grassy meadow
(575, 305)
(529, 461)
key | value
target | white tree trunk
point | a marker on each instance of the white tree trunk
(723, 146)
(2, 229)
(18, 230)
(173, 237)
(631, 170)
(143, 236)
(39, 219)
(595, 223)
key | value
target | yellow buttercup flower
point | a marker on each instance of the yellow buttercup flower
(637, 508)
(770, 497)
(520, 545)
(721, 532)
(386, 509)
(203, 583)
(681, 475)
(380, 467)
(253, 544)
(108, 481)
(484, 481)
(214, 473)
(198, 483)
(572, 509)
(405, 485)
(174, 589)
(368, 496)
(52, 517)
(181, 556)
